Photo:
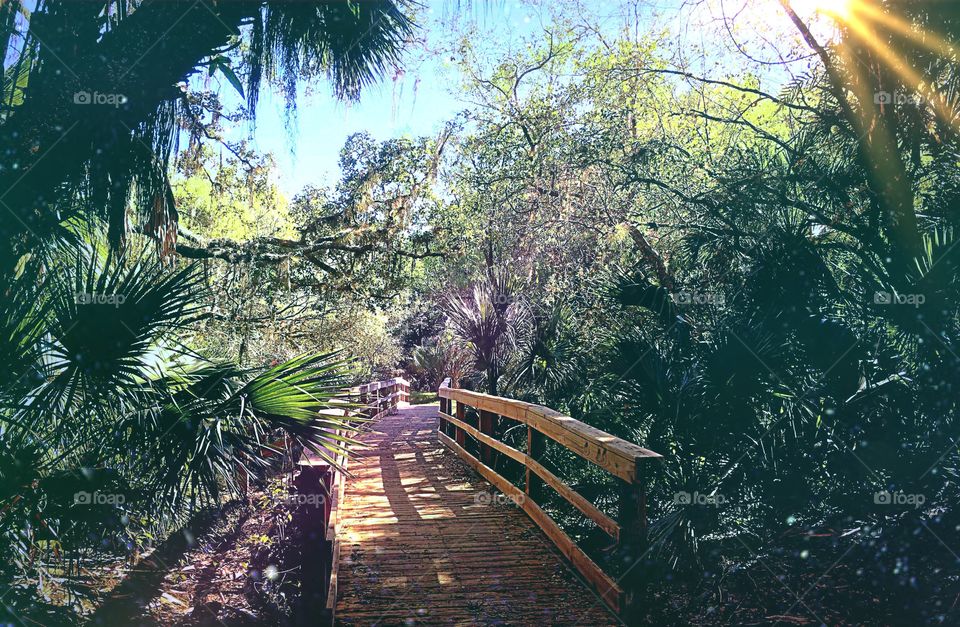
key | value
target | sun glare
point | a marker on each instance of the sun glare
(834, 9)
(823, 17)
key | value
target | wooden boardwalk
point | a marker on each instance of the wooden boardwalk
(422, 543)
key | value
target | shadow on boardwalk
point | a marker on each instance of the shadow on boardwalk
(419, 546)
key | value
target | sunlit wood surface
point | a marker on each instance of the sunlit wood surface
(422, 543)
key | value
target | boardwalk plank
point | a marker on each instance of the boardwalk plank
(422, 543)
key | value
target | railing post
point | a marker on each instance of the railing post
(363, 400)
(444, 406)
(461, 435)
(632, 519)
(535, 447)
(392, 396)
(312, 515)
(487, 422)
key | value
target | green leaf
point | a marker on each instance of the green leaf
(231, 76)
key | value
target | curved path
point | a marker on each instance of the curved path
(422, 543)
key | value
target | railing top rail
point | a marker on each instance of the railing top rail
(621, 458)
(616, 455)
(376, 385)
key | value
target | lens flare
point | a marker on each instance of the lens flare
(835, 9)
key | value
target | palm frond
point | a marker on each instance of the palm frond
(352, 43)
(489, 322)
(108, 316)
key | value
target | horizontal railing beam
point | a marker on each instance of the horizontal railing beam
(506, 449)
(573, 497)
(606, 587)
(615, 455)
(624, 460)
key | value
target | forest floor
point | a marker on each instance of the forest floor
(849, 579)
(238, 573)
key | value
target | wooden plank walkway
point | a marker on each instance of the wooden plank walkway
(422, 543)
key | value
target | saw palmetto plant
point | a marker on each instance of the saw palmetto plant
(110, 424)
(102, 393)
(489, 321)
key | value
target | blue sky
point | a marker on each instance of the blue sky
(415, 103)
(418, 101)
(308, 152)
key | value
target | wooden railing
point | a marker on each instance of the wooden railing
(326, 482)
(382, 396)
(629, 463)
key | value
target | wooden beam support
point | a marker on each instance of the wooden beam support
(615, 455)
(483, 438)
(573, 497)
(633, 545)
(488, 422)
(607, 588)
(461, 434)
(586, 507)
(625, 460)
(536, 446)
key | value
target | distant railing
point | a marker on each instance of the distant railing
(326, 483)
(625, 460)
(381, 396)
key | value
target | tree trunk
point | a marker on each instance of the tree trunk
(492, 379)
(877, 151)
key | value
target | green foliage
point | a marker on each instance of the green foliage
(488, 323)
(109, 421)
(442, 357)
(117, 166)
(712, 271)
(294, 41)
(758, 284)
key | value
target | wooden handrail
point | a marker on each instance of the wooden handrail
(615, 455)
(624, 460)
(379, 398)
(375, 399)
